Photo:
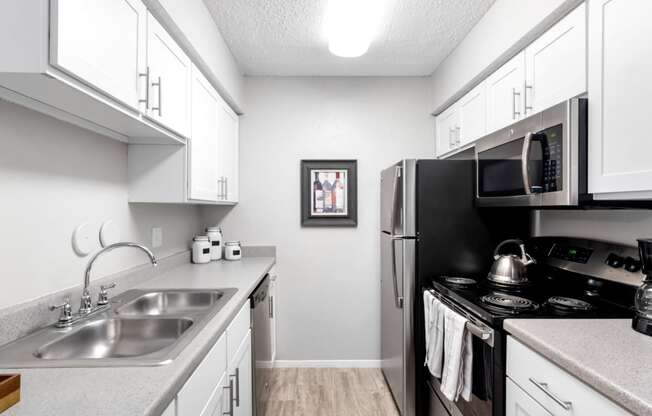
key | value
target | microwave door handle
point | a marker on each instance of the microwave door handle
(524, 162)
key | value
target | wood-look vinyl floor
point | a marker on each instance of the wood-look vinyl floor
(329, 392)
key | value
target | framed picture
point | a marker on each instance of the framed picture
(329, 191)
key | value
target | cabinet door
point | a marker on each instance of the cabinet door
(505, 94)
(556, 63)
(169, 79)
(101, 43)
(203, 151)
(229, 128)
(473, 115)
(241, 373)
(519, 403)
(447, 130)
(620, 64)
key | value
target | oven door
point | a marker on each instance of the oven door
(484, 391)
(533, 162)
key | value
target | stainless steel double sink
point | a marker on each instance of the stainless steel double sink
(147, 327)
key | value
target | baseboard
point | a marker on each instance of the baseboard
(327, 364)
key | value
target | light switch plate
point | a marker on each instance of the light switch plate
(157, 237)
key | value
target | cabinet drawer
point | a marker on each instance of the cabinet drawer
(544, 382)
(202, 384)
(237, 330)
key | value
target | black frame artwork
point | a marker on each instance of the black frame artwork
(314, 214)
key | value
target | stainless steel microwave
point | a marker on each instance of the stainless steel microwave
(537, 161)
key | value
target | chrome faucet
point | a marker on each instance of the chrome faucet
(86, 305)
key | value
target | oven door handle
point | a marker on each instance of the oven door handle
(525, 156)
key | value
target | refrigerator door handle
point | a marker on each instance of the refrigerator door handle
(398, 300)
(397, 176)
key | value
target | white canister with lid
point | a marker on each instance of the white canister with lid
(215, 237)
(201, 249)
(232, 250)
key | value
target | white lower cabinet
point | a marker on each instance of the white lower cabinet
(222, 384)
(536, 386)
(518, 403)
(240, 371)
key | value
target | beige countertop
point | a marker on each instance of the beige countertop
(607, 354)
(128, 391)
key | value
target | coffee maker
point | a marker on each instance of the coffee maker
(643, 301)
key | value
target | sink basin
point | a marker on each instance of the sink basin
(150, 327)
(113, 338)
(171, 302)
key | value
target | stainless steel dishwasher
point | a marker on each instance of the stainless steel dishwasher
(262, 310)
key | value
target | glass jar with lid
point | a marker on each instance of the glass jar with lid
(232, 250)
(201, 249)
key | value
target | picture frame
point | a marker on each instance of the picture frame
(329, 193)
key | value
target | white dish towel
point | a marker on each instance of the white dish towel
(457, 374)
(434, 324)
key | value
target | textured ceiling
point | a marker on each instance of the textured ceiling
(286, 37)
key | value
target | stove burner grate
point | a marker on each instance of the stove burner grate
(459, 281)
(509, 302)
(569, 303)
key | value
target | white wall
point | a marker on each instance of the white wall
(191, 22)
(329, 301)
(621, 226)
(53, 177)
(505, 29)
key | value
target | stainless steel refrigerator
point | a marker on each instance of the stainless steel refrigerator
(430, 226)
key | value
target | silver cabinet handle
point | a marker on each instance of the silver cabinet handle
(527, 107)
(236, 376)
(566, 405)
(146, 100)
(230, 388)
(451, 137)
(458, 131)
(271, 306)
(159, 108)
(226, 188)
(514, 95)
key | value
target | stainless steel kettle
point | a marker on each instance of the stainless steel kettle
(510, 269)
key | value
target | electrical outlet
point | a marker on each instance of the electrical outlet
(157, 237)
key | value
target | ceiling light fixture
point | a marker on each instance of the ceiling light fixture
(351, 25)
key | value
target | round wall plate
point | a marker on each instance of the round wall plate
(109, 233)
(82, 240)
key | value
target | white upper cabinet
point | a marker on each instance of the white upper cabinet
(473, 115)
(228, 152)
(556, 63)
(447, 130)
(620, 64)
(102, 43)
(169, 79)
(203, 153)
(505, 94)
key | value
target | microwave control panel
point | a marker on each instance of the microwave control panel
(551, 141)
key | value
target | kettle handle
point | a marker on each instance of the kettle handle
(524, 256)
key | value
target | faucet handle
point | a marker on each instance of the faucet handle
(66, 312)
(103, 297)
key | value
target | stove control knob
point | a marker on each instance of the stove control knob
(632, 265)
(615, 261)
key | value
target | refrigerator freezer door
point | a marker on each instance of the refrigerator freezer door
(392, 318)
